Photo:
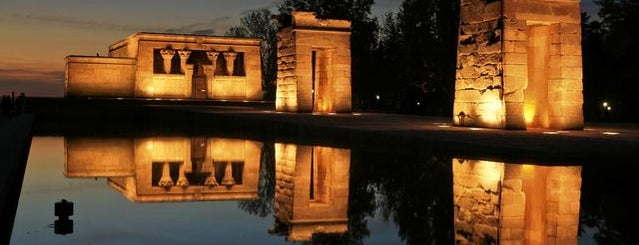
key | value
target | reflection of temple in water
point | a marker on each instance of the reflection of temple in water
(169, 169)
(499, 203)
(311, 192)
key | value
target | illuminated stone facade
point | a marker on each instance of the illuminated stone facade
(499, 203)
(153, 65)
(311, 192)
(314, 64)
(519, 65)
(169, 169)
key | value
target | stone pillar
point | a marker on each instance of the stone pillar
(210, 180)
(563, 198)
(167, 56)
(230, 62)
(519, 65)
(182, 180)
(228, 180)
(212, 56)
(513, 206)
(184, 55)
(165, 180)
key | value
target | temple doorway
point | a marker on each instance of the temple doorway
(536, 94)
(322, 81)
(199, 82)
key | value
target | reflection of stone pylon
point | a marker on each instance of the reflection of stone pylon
(228, 175)
(211, 181)
(182, 180)
(165, 180)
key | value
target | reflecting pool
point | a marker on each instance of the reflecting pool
(208, 189)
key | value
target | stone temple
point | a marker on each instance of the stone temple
(155, 65)
(519, 65)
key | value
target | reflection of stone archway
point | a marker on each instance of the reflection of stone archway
(515, 203)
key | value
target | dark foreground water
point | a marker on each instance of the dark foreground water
(220, 190)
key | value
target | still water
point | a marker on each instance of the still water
(208, 189)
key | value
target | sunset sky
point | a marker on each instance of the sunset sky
(36, 35)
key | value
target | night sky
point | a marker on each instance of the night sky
(36, 35)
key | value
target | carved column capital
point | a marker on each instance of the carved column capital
(212, 55)
(167, 53)
(184, 55)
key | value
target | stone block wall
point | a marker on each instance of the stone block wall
(99, 77)
(478, 86)
(563, 196)
(476, 193)
(229, 87)
(286, 89)
(98, 157)
(285, 162)
(314, 65)
(519, 65)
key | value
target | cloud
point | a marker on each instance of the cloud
(202, 28)
(22, 74)
(79, 23)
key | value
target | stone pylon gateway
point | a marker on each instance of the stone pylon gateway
(313, 64)
(519, 65)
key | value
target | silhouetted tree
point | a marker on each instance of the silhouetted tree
(266, 185)
(419, 46)
(608, 202)
(595, 91)
(615, 78)
(258, 24)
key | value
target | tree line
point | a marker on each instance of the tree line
(406, 61)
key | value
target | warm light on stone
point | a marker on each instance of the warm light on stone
(212, 56)
(142, 66)
(169, 169)
(184, 56)
(229, 57)
(524, 56)
(515, 203)
(167, 57)
(311, 193)
(314, 64)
